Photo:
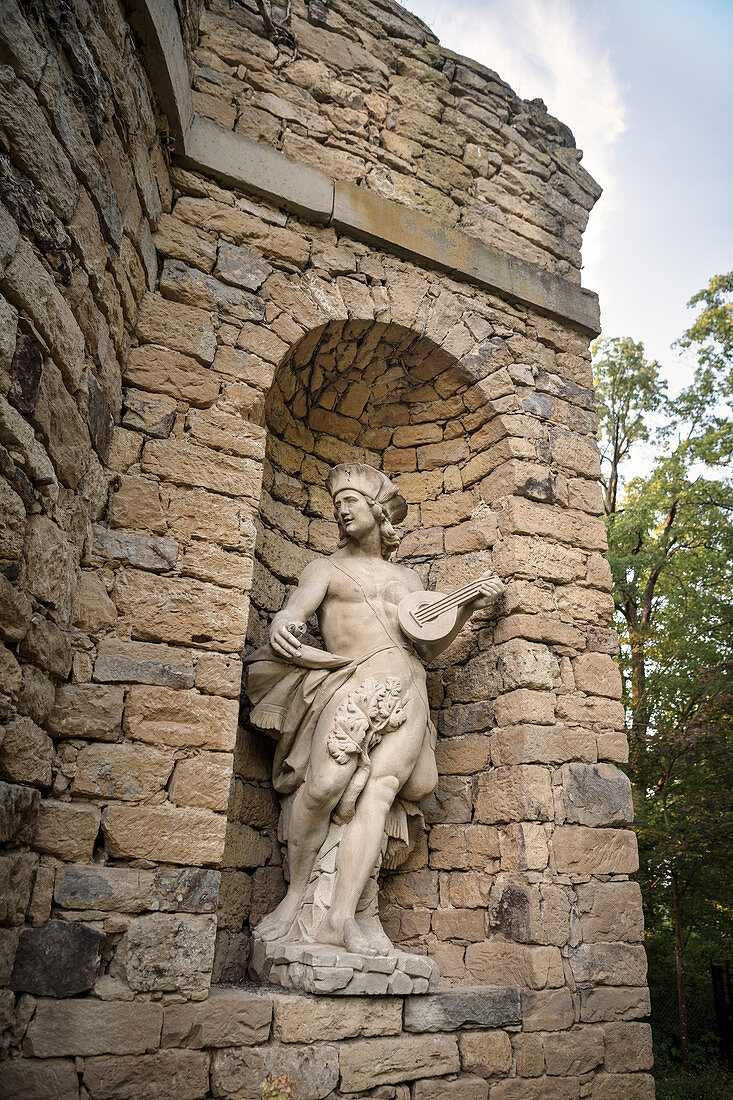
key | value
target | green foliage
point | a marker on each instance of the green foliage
(671, 555)
(711, 1082)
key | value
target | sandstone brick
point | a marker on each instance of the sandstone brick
(613, 746)
(596, 794)
(168, 833)
(500, 962)
(403, 889)
(547, 1009)
(527, 744)
(180, 610)
(533, 558)
(52, 565)
(597, 674)
(576, 453)
(93, 611)
(314, 1066)
(463, 755)
(539, 628)
(217, 674)
(525, 706)
(614, 1004)
(136, 504)
(241, 267)
(459, 925)
(143, 662)
(300, 1019)
(608, 964)
(591, 711)
(169, 951)
(240, 227)
(584, 851)
(466, 890)
(529, 1055)
(152, 414)
(131, 773)
(628, 1047)
(229, 1017)
(610, 911)
(369, 1062)
(19, 807)
(178, 717)
(179, 327)
(530, 914)
(450, 802)
(623, 1086)
(180, 1073)
(175, 237)
(88, 1027)
(461, 1088)
(66, 830)
(26, 753)
(203, 780)
(463, 847)
(526, 665)
(521, 793)
(188, 464)
(487, 1053)
(537, 1088)
(51, 1078)
(87, 710)
(523, 847)
(130, 890)
(572, 1052)
(45, 644)
(17, 871)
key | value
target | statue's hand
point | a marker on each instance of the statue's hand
(489, 593)
(285, 641)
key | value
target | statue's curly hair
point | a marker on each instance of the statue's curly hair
(389, 537)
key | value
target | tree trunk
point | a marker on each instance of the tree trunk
(681, 1002)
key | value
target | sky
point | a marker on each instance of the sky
(646, 86)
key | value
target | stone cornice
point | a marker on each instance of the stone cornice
(238, 161)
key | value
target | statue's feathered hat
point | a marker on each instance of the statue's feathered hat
(370, 483)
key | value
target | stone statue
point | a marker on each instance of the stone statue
(356, 745)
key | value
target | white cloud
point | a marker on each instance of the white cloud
(552, 50)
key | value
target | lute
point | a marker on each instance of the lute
(430, 616)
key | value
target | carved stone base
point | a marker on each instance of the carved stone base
(316, 968)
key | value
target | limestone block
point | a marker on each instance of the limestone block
(160, 370)
(16, 434)
(166, 951)
(460, 1088)
(487, 1053)
(171, 834)
(583, 851)
(576, 453)
(547, 1010)
(628, 1047)
(58, 959)
(143, 663)
(51, 1078)
(153, 414)
(240, 267)
(572, 1052)
(26, 753)
(176, 717)
(536, 1088)
(608, 964)
(539, 628)
(534, 558)
(87, 1027)
(528, 744)
(450, 802)
(179, 327)
(175, 237)
(52, 565)
(526, 665)
(588, 710)
(314, 1067)
(610, 911)
(245, 847)
(596, 794)
(529, 1055)
(448, 1010)
(525, 706)
(45, 645)
(459, 925)
(87, 710)
(37, 694)
(622, 1086)
(180, 610)
(203, 780)
(12, 522)
(239, 227)
(56, 416)
(128, 890)
(613, 1004)
(219, 674)
(613, 746)
(521, 793)
(208, 562)
(142, 551)
(189, 464)
(136, 504)
(181, 283)
(369, 1062)
(597, 674)
(528, 913)
(229, 1017)
(500, 962)
(66, 830)
(180, 1073)
(523, 847)
(466, 890)
(255, 806)
(462, 847)
(303, 1019)
(93, 610)
(17, 871)
(128, 772)
(463, 755)
(18, 813)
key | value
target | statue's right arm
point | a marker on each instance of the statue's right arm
(302, 603)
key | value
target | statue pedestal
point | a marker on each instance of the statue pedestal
(317, 968)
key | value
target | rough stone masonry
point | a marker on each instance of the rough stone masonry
(225, 267)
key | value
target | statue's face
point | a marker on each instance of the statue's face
(354, 512)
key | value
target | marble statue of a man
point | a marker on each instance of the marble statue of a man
(356, 743)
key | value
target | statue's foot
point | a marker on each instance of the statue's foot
(346, 934)
(277, 924)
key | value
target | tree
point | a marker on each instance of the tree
(671, 554)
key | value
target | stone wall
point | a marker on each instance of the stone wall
(180, 365)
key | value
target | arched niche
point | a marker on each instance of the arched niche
(381, 393)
